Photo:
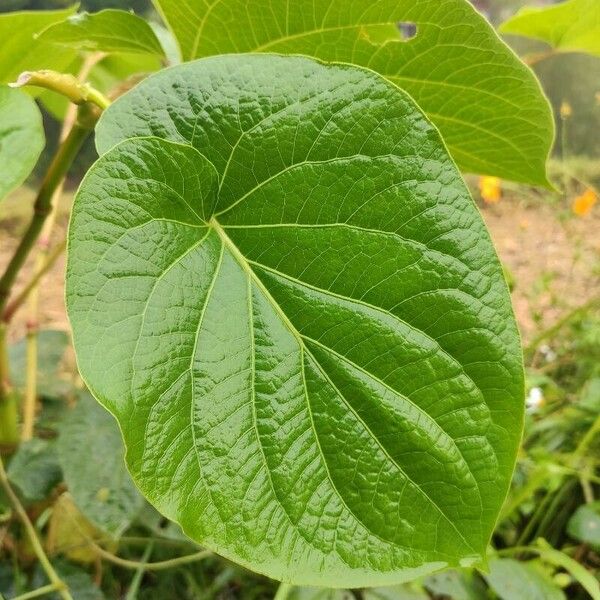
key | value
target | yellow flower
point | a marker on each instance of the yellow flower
(490, 190)
(582, 205)
(566, 110)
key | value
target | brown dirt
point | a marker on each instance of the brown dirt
(552, 256)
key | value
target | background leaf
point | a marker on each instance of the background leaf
(572, 26)
(584, 525)
(22, 52)
(104, 31)
(311, 349)
(488, 106)
(52, 345)
(91, 455)
(514, 580)
(21, 138)
(35, 469)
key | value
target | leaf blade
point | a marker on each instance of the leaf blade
(260, 335)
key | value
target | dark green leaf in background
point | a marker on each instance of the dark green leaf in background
(21, 138)
(34, 469)
(584, 525)
(514, 580)
(91, 456)
(487, 105)
(285, 294)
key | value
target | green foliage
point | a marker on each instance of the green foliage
(21, 138)
(274, 303)
(514, 580)
(105, 31)
(584, 525)
(20, 49)
(34, 469)
(572, 26)
(487, 104)
(91, 456)
(52, 345)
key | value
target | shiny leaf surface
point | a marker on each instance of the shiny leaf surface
(280, 286)
(486, 103)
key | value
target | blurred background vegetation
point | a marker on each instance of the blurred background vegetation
(547, 542)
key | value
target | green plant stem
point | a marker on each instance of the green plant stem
(586, 441)
(42, 591)
(36, 544)
(31, 344)
(42, 207)
(148, 566)
(132, 592)
(9, 422)
(283, 591)
(568, 318)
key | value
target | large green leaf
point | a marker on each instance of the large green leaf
(21, 51)
(486, 103)
(91, 456)
(105, 31)
(572, 26)
(21, 138)
(290, 303)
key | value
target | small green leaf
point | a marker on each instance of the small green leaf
(514, 580)
(91, 452)
(487, 105)
(584, 525)
(22, 52)
(105, 31)
(572, 26)
(21, 138)
(290, 302)
(34, 469)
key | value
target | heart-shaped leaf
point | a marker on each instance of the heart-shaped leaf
(105, 31)
(21, 138)
(289, 301)
(572, 26)
(488, 105)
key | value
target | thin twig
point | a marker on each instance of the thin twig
(45, 266)
(148, 566)
(41, 591)
(132, 592)
(36, 544)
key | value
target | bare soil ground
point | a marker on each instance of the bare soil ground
(552, 257)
